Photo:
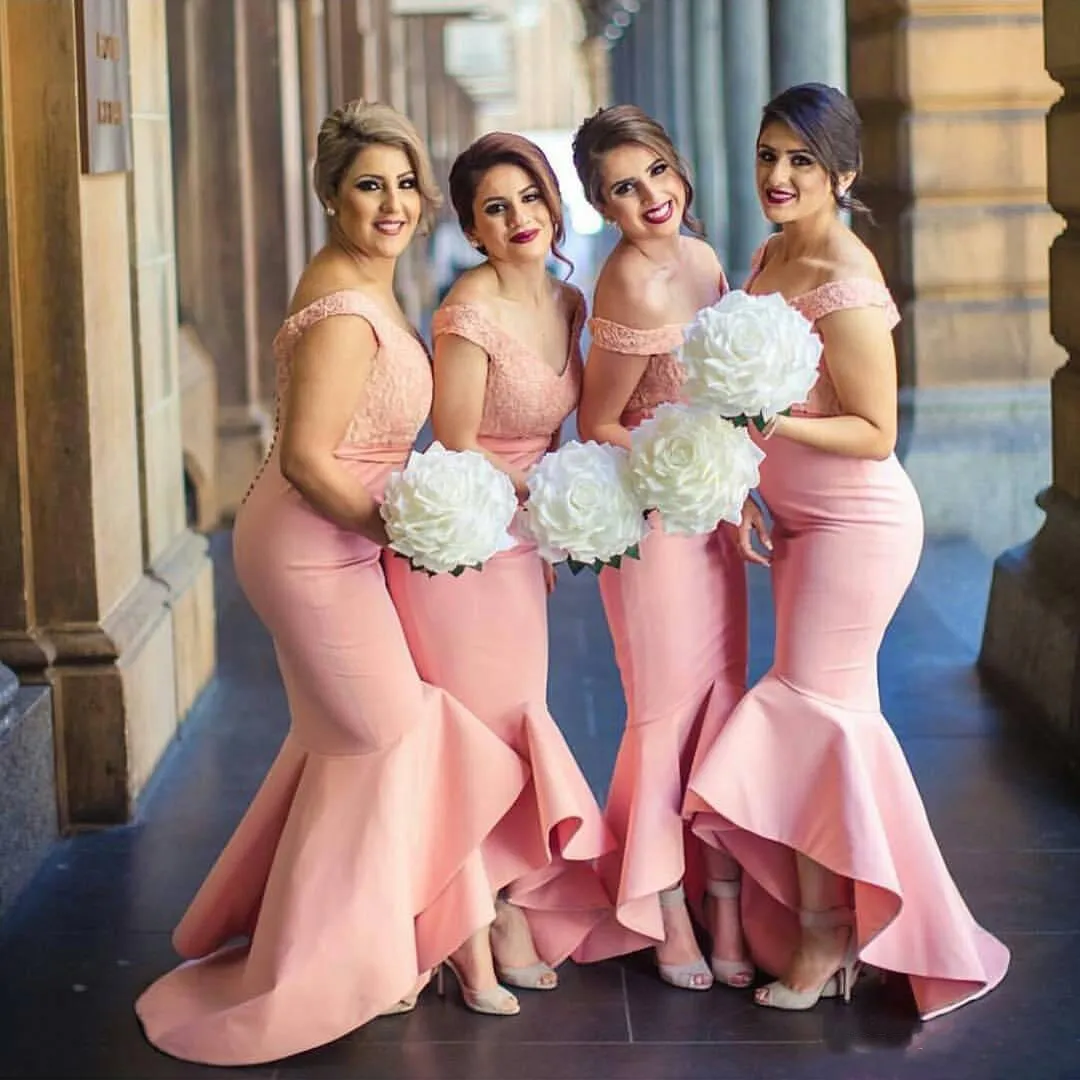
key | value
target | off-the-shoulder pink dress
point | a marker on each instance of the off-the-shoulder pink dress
(357, 865)
(807, 763)
(678, 620)
(484, 638)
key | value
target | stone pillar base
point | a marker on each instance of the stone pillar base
(27, 782)
(1031, 644)
(122, 687)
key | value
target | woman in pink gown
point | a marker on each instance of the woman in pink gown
(678, 616)
(507, 375)
(357, 868)
(806, 784)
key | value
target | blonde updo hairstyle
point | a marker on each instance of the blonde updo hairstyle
(348, 130)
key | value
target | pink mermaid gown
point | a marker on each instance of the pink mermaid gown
(806, 762)
(357, 865)
(484, 638)
(678, 619)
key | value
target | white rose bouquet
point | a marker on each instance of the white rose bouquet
(581, 508)
(694, 467)
(750, 357)
(449, 511)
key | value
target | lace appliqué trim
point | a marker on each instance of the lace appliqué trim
(617, 338)
(845, 295)
(524, 396)
(397, 396)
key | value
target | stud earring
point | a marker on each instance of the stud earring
(330, 212)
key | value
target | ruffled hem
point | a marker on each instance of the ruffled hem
(644, 805)
(794, 773)
(350, 875)
(545, 848)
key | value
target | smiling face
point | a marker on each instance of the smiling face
(642, 193)
(511, 220)
(792, 183)
(378, 204)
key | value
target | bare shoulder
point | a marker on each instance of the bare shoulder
(628, 292)
(701, 254)
(847, 258)
(570, 297)
(326, 274)
(478, 285)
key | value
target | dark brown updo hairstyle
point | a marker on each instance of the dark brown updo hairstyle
(359, 124)
(506, 148)
(620, 125)
(828, 122)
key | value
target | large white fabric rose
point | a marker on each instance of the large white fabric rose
(581, 507)
(750, 356)
(693, 466)
(447, 510)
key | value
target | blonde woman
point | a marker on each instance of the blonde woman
(357, 868)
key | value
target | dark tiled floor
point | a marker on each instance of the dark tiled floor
(92, 929)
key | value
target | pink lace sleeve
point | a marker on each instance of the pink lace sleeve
(617, 338)
(469, 322)
(845, 295)
(343, 302)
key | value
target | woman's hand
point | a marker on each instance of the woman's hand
(373, 528)
(549, 577)
(753, 520)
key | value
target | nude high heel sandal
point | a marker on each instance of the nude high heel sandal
(839, 982)
(538, 976)
(693, 976)
(498, 1001)
(738, 974)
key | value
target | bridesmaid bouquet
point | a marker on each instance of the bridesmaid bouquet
(581, 508)
(750, 357)
(449, 511)
(694, 467)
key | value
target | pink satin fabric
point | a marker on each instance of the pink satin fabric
(483, 636)
(358, 865)
(806, 763)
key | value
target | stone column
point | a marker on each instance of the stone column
(315, 101)
(234, 279)
(1031, 643)
(656, 57)
(104, 594)
(28, 825)
(677, 16)
(619, 55)
(954, 148)
(707, 121)
(808, 43)
(746, 89)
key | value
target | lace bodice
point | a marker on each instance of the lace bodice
(663, 378)
(397, 397)
(824, 300)
(524, 396)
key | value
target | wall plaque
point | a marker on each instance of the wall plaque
(104, 85)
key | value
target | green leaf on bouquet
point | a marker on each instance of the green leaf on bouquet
(459, 570)
(576, 567)
(760, 422)
(616, 561)
(632, 552)
(739, 421)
